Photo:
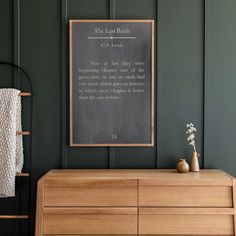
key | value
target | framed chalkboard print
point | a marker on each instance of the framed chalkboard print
(111, 82)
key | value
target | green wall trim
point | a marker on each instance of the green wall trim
(112, 9)
(16, 40)
(64, 76)
(205, 27)
(16, 79)
(159, 82)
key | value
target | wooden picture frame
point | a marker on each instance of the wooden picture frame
(75, 107)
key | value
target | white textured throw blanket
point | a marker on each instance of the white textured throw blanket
(11, 145)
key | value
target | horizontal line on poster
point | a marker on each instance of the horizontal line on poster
(112, 37)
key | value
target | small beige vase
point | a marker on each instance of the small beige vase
(194, 165)
(182, 166)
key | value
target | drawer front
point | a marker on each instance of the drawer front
(186, 224)
(185, 196)
(90, 221)
(92, 193)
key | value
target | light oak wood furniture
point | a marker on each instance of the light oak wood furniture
(132, 202)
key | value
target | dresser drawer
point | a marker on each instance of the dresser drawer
(180, 196)
(166, 221)
(91, 193)
(89, 221)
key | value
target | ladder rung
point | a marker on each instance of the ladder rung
(25, 94)
(22, 174)
(14, 217)
(23, 133)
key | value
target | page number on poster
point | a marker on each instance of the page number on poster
(114, 136)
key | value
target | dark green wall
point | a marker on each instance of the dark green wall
(195, 81)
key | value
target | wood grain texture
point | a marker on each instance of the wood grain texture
(22, 174)
(125, 235)
(185, 196)
(153, 85)
(90, 211)
(23, 133)
(25, 94)
(14, 216)
(151, 177)
(92, 193)
(202, 178)
(39, 209)
(90, 223)
(92, 202)
(186, 224)
(91, 234)
(71, 90)
(234, 204)
(185, 211)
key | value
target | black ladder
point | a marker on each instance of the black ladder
(18, 216)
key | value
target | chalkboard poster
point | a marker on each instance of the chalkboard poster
(111, 82)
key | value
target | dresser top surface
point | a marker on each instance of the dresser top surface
(167, 176)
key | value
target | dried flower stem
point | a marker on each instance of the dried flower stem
(191, 138)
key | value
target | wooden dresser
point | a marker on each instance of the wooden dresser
(131, 202)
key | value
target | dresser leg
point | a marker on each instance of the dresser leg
(39, 209)
(234, 204)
